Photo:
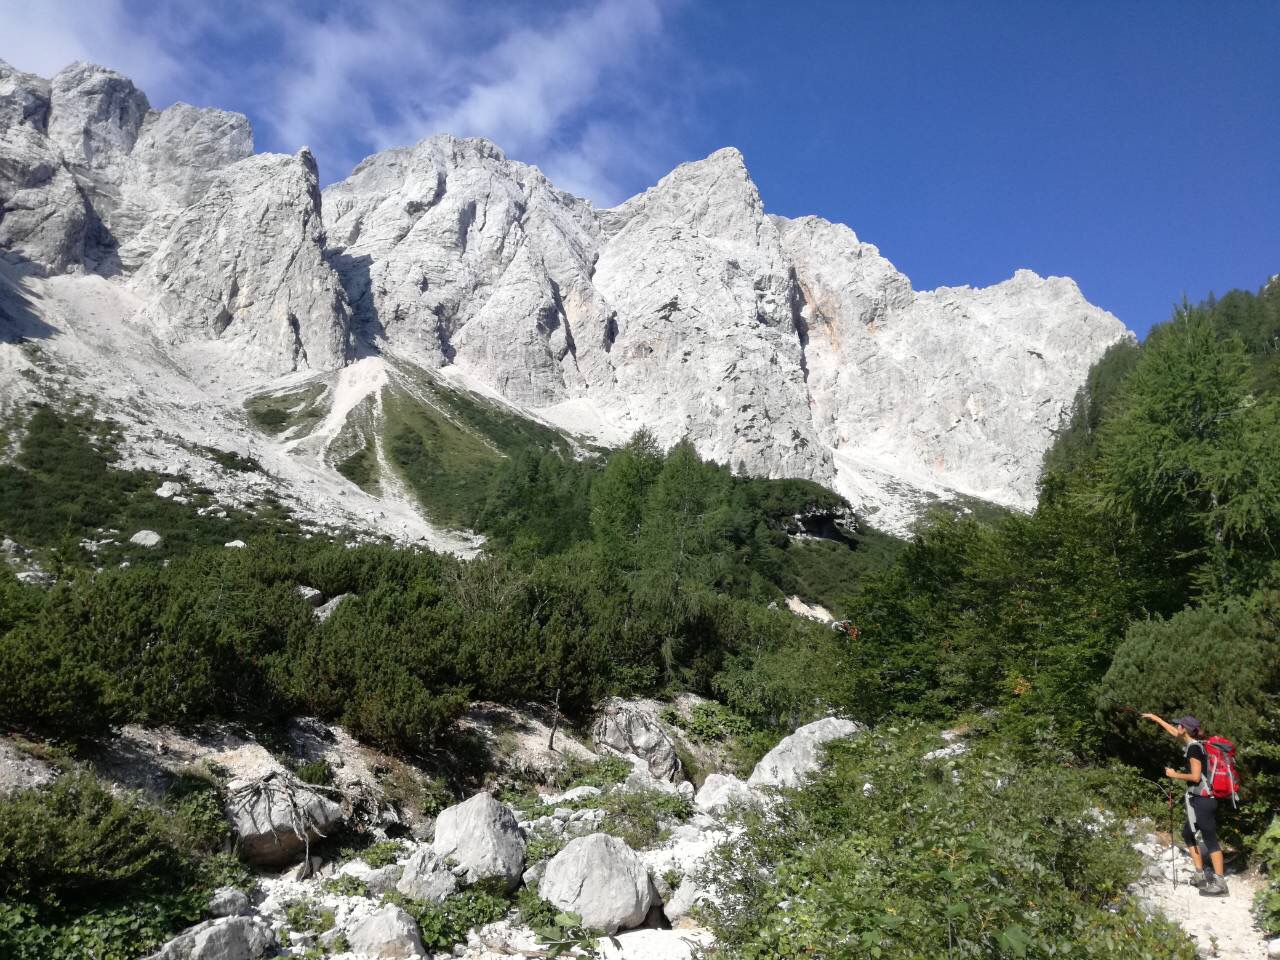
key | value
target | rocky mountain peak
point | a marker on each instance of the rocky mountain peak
(781, 347)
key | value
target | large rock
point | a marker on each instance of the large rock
(44, 219)
(721, 792)
(276, 816)
(483, 836)
(388, 934)
(228, 938)
(427, 877)
(798, 756)
(630, 729)
(602, 880)
(245, 267)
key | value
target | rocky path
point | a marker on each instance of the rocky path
(1222, 927)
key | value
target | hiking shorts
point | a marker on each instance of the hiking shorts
(1202, 815)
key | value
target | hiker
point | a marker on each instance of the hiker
(1202, 805)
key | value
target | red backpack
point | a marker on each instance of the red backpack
(1221, 779)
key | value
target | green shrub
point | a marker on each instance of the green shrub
(639, 816)
(445, 924)
(1004, 860)
(383, 853)
(316, 772)
(84, 873)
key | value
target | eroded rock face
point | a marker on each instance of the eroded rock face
(629, 729)
(245, 266)
(955, 383)
(483, 836)
(779, 347)
(602, 880)
(455, 253)
(222, 245)
(799, 755)
(43, 215)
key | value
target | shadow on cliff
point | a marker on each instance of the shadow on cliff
(20, 319)
(366, 325)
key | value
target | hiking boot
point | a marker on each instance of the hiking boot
(1199, 879)
(1215, 887)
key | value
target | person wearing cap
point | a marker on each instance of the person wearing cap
(1202, 805)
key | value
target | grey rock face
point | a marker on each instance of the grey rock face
(798, 756)
(95, 116)
(455, 253)
(245, 266)
(483, 836)
(630, 730)
(957, 384)
(602, 880)
(229, 938)
(43, 215)
(389, 934)
(229, 902)
(427, 877)
(222, 245)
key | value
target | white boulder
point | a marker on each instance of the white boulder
(427, 877)
(235, 544)
(602, 880)
(310, 595)
(229, 902)
(798, 756)
(227, 938)
(720, 792)
(146, 538)
(170, 488)
(483, 836)
(388, 934)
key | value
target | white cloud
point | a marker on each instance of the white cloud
(565, 90)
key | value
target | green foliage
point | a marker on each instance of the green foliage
(383, 853)
(317, 772)
(1006, 859)
(1266, 908)
(445, 924)
(640, 817)
(86, 873)
(300, 408)
(1191, 459)
(606, 771)
(711, 722)
(345, 885)
(63, 486)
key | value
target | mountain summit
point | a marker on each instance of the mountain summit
(781, 347)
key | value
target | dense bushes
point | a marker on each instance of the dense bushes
(1000, 859)
(86, 873)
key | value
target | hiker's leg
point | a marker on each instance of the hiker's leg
(1207, 821)
(1193, 848)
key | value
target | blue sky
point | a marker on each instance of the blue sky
(1132, 145)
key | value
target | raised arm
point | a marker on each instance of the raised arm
(1169, 728)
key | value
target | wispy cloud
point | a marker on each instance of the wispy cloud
(577, 89)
